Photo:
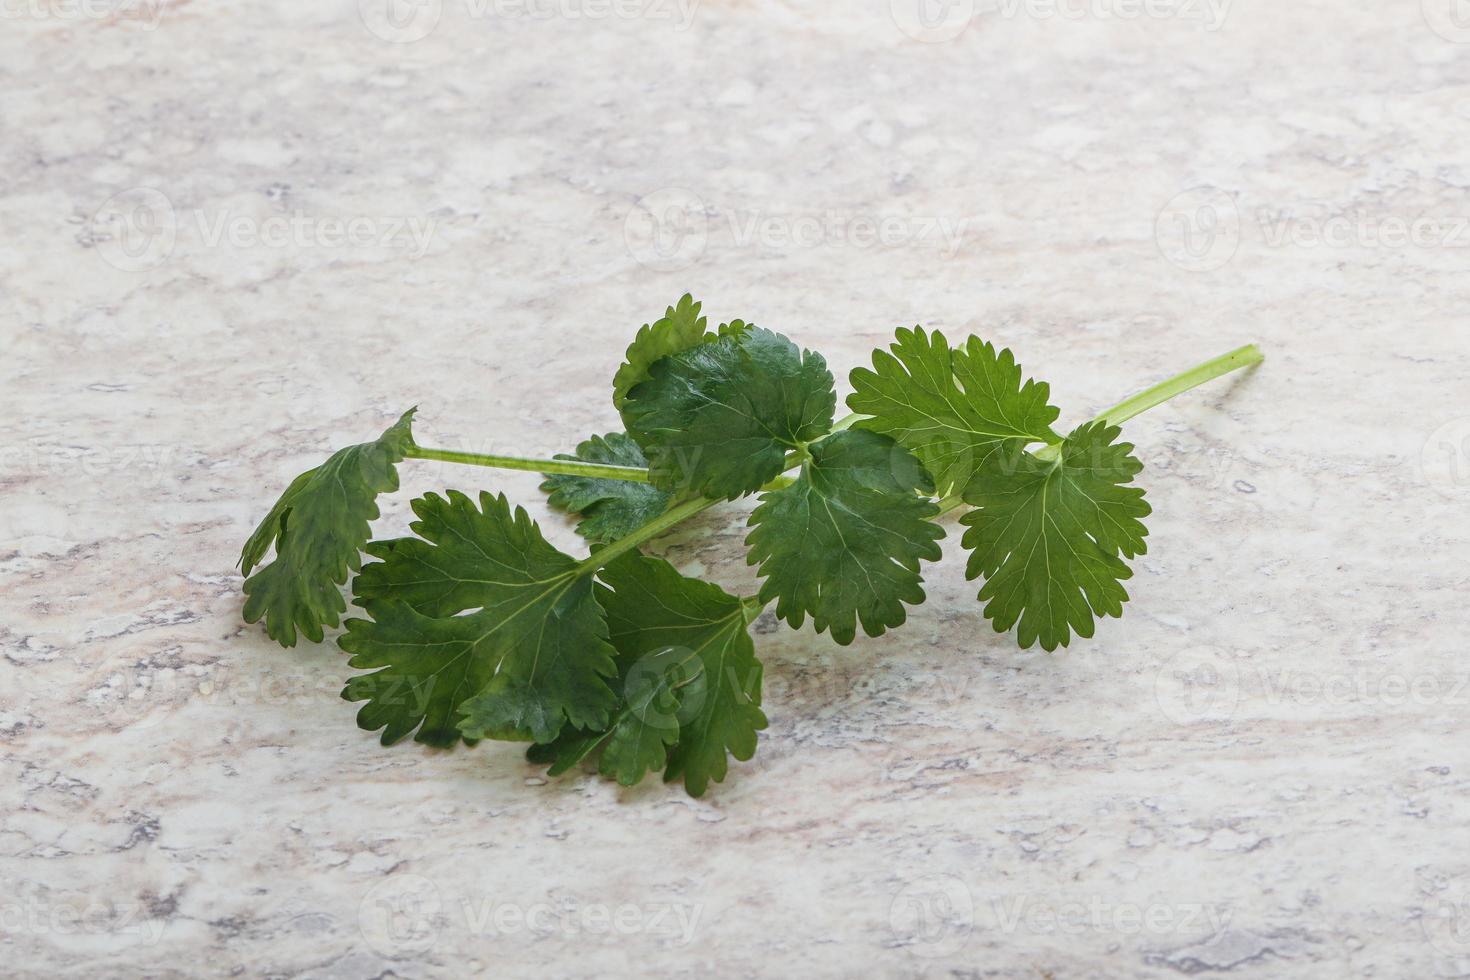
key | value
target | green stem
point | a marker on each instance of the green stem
(1241, 357)
(674, 515)
(952, 502)
(751, 605)
(602, 471)
(605, 471)
(1049, 453)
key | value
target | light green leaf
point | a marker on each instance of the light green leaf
(680, 329)
(843, 543)
(959, 410)
(533, 654)
(718, 420)
(318, 528)
(1047, 535)
(610, 509)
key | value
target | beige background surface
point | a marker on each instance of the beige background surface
(236, 236)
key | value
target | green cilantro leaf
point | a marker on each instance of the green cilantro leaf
(718, 419)
(610, 509)
(959, 409)
(565, 751)
(645, 726)
(652, 610)
(531, 657)
(680, 329)
(318, 528)
(648, 725)
(843, 543)
(1047, 535)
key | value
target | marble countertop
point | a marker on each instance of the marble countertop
(234, 237)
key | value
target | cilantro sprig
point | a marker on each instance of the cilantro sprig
(475, 627)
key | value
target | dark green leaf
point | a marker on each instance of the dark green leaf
(648, 723)
(959, 410)
(652, 609)
(1047, 535)
(318, 528)
(610, 509)
(566, 750)
(533, 655)
(718, 420)
(843, 543)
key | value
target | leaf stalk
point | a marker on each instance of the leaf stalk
(602, 557)
(1242, 357)
(604, 471)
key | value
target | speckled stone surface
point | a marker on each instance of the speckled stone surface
(234, 237)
